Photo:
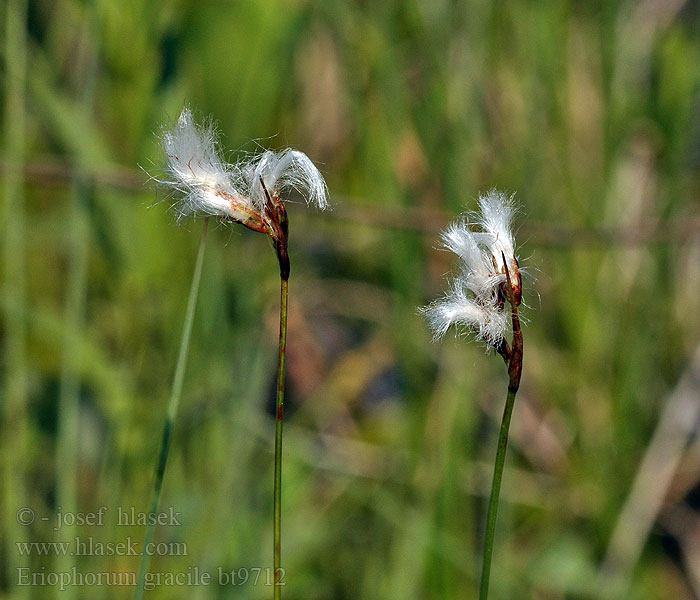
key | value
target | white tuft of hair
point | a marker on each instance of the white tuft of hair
(195, 168)
(284, 171)
(210, 186)
(481, 241)
(464, 312)
(495, 220)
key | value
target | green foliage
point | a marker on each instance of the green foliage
(410, 109)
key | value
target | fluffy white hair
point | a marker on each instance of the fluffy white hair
(471, 301)
(495, 220)
(285, 170)
(210, 186)
(195, 169)
(467, 313)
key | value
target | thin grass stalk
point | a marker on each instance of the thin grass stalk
(173, 404)
(247, 193)
(277, 492)
(515, 366)
(68, 430)
(14, 403)
(495, 493)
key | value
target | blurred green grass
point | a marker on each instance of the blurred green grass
(588, 111)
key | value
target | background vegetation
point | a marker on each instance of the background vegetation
(589, 111)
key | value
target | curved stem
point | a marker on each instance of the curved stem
(277, 493)
(176, 392)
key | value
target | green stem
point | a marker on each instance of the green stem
(68, 426)
(68, 429)
(495, 493)
(515, 369)
(277, 494)
(173, 404)
(14, 437)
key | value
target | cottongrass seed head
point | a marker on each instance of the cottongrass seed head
(196, 170)
(207, 185)
(286, 170)
(474, 300)
(495, 221)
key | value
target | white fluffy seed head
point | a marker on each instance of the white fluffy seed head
(210, 186)
(472, 299)
(466, 312)
(192, 153)
(195, 169)
(283, 171)
(495, 221)
(477, 271)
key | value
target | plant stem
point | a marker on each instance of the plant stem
(277, 493)
(495, 492)
(68, 420)
(14, 437)
(515, 368)
(176, 392)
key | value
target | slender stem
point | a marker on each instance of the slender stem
(176, 392)
(515, 368)
(14, 437)
(495, 492)
(68, 429)
(277, 494)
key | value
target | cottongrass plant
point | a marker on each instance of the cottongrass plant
(475, 302)
(247, 192)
